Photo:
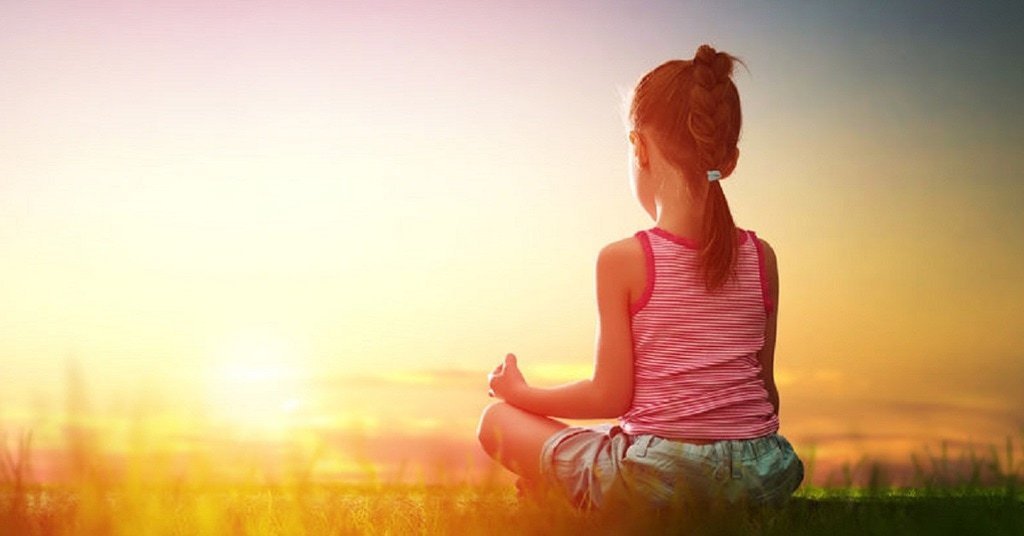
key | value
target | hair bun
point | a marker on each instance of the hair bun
(705, 54)
(720, 63)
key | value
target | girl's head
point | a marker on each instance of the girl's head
(688, 113)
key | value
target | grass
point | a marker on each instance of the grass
(464, 509)
(973, 495)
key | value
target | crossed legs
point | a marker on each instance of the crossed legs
(514, 437)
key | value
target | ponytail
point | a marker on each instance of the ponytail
(718, 249)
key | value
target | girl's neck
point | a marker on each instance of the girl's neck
(679, 206)
(682, 217)
(685, 229)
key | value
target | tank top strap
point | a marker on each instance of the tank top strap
(645, 242)
(768, 305)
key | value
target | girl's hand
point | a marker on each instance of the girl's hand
(505, 380)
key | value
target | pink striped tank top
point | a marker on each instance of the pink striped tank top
(696, 371)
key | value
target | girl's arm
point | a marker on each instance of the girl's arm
(767, 353)
(609, 392)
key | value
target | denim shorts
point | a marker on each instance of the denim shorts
(597, 465)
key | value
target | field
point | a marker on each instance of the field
(986, 498)
(482, 510)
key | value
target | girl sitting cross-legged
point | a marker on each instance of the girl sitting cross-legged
(686, 339)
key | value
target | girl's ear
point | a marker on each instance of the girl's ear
(639, 147)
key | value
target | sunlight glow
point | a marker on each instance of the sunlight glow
(255, 385)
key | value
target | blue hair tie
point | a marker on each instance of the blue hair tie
(714, 175)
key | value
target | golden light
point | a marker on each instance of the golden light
(255, 385)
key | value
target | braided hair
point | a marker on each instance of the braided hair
(692, 108)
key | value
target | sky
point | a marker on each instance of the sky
(328, 220)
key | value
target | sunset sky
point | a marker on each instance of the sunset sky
(306, 219)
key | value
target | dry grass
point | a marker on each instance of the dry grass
(976, 495)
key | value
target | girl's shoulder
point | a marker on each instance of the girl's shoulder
(766, 252)
(623, 264)
(626, 250)
(769, 259)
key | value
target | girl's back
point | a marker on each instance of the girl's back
(696, 368)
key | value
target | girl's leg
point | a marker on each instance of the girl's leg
(514, 437)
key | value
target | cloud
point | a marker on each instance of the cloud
(787, 376)
(470, 379)
(443, 377)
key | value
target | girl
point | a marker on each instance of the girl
(686, 336)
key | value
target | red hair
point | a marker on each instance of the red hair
(692, 108)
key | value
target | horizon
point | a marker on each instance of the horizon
(202, 445)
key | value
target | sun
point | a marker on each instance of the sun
(255, 385)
